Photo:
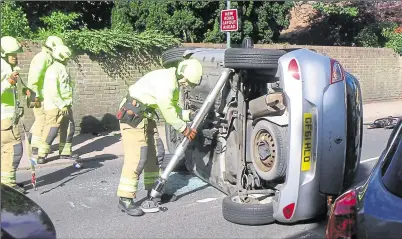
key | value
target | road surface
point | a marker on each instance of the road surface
(83, 204)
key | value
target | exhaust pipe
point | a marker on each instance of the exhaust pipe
(198, 120)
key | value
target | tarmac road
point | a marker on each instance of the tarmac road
(82, 203)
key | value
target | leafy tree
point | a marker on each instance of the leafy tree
(121, 16)
(14, 21)
(94, 14)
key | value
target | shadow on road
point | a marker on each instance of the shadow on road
(97, 145)
(69, 172)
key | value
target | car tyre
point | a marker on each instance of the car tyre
(252, 58)
(171, 57)
(247, 213)
(276, 137)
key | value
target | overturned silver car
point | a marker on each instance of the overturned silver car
(285, 132)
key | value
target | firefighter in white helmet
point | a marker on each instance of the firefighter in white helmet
(36, 75)
(11, 145)
(142, 145)
(57, 105)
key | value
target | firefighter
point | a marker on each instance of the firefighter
(142, 145)
(37, 69)
(57, 105)
(11, 145)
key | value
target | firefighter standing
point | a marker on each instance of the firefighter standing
(57, 105)
(36, 75)
(141, 142)
(11, 145)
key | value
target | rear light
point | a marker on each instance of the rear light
(342, 219)
(288, 210)
(337, 72)
(293, 69)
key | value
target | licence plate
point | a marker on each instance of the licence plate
(307, 141)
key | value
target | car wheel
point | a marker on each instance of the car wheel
(255, 209)
(252, 58)
(269, 150)
(171, 57)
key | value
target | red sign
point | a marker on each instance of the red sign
(229, 20)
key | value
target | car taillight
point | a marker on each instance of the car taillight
(288, 210)
(293, 69)
(337, 73)
(342, 219)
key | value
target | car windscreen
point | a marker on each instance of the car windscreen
(392, 167)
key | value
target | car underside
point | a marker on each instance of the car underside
(250, 143)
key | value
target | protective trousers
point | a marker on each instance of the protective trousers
(143, 150)
(55, 121)
(11, 152)
(37, 126)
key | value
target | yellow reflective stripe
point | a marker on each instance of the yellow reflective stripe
(151, 174)
(43, 149)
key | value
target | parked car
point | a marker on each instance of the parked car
(284, 134)
(373, 209)
(23, 218)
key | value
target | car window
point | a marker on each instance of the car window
(392, 167)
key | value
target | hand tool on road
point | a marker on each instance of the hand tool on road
(198, 120)
(18, 114)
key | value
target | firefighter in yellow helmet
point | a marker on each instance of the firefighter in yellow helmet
(57, 105)
(141, 142)
(11, 145)
(36, 75)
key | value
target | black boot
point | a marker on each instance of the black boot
(130, 207)
(164, 198)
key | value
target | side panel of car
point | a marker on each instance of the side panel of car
(380, 215)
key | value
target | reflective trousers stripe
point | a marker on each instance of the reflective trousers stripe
(135, 139)
(65, 149)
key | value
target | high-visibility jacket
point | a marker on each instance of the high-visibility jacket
(37, 69)
(160, 89)
(57, 87)
(7, 94)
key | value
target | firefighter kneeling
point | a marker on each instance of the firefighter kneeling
(143, 148)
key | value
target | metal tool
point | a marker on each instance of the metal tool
(198, 120)
(19, 112)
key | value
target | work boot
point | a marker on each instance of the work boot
(130, 207)
(164, 198)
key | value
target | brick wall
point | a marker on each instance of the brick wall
(101, 83)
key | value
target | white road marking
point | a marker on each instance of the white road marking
(368, 160)
(85, 205)
(207, 200)
(72, 204)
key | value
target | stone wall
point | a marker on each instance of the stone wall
(101, 83)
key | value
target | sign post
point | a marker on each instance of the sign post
(229, 22)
